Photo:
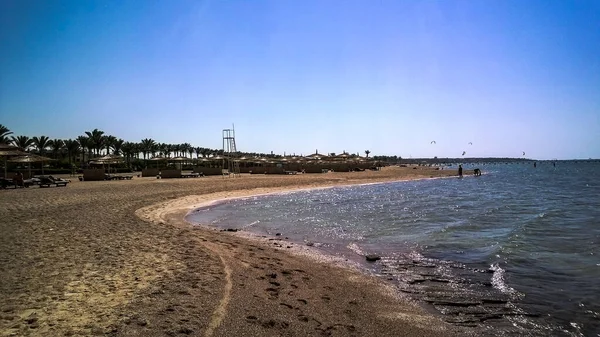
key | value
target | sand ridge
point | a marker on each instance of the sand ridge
(80, 261)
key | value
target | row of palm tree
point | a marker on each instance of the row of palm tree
(96, 143)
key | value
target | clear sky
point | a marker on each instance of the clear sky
(383, 75)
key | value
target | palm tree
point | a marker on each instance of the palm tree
(154, 149)
(198, 151)
(22, 142)
(4, 132)
(128, 149)
(163, 149)
(138, 150)
(118, 146)
(72, 147)
(84, 142)
(56, 146)
(147, 144)
(367, 153)
(41, 143)
(175, 148)
(190, 149)
(109, 143)
(96, 138)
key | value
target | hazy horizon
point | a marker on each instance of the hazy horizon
(389, 77)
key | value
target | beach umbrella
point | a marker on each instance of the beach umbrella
(157, 159)
(31, 158)
(316, 156)
(9, 151)
(108, 159)
(179, 160)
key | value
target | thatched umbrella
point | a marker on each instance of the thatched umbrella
(31, 158)
(158, 158)
(9, 151)
(179, 160)
(316, 156)
(108, 159)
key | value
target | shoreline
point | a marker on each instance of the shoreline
(165, 212)
(129, 266)
(311, 252)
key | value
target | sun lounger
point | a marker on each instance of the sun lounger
(117, 177)
(47, 181)
(5, 183)
(191, 175)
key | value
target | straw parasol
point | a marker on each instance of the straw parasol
(108, 159)
(157, 159)
(179, 160)
(31, 158)
(9, 151)
(316, 156)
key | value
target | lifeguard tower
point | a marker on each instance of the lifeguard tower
(231, 161)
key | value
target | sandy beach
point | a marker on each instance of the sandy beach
(117, 258)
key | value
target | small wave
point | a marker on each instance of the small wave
(250, 224)
(355, 248)
(498, 281)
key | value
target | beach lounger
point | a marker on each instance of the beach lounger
(47, 181)
(190, 175)
(5, 183)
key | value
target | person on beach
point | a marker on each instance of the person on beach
(18, 179)
(460, 170)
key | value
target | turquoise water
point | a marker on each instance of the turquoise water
(516, 250)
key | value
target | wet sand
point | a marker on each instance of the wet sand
(117, 258)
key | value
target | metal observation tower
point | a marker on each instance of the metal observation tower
(231, 163)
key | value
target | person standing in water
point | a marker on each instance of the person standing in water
(534, 164)
(460, 170)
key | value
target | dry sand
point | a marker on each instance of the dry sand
(116, 258)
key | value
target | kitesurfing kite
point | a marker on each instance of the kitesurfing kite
(470, 143)
(433, 142)
(464, 152)
(523, 152)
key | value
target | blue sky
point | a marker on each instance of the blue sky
(295, 76)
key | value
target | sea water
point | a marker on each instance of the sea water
(516, 249)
